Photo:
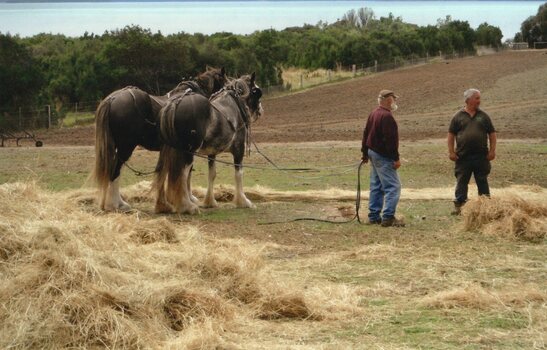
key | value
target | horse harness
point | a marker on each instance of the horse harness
(242, 110)
(130, 90)
(192, 85)
(236, 95)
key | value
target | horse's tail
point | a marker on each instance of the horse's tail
(167, 130)
(183, 122)
(105, 149)
(169, 168)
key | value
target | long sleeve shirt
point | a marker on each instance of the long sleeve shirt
(381, 134)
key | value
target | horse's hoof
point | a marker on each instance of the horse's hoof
(190, 210)
(244, 203)
(163, 208)
(210, 204)
(124, 207)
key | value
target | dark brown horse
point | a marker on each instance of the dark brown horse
(127, 118)
(192, 124)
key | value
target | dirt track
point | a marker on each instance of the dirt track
(513, 86)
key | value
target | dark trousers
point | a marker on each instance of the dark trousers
(477, 165)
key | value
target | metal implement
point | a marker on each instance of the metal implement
(22, 135)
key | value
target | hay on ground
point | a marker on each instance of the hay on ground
(507, 216)
(477, 297)
(284, 306)
(74, 277)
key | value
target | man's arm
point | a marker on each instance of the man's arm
(451, 152)
(391, 136)
(364, 148)
(493, 141)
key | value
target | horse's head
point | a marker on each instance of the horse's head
(251, 93)
(212, 80)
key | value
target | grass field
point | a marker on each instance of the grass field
(425, 164)
(81, 118)
(428, 285)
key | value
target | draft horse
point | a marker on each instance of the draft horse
(128, 118)
(190, 126)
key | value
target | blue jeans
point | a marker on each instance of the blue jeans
(385, 187)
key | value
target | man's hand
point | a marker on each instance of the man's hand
(491, 155)
(396, 164)
(364, 159)
(453, 156)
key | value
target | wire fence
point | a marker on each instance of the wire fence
(322, 76)
(82, 113)
(47, 116)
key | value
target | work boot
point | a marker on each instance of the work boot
(374, 222)
(392, 222)
(457, 208)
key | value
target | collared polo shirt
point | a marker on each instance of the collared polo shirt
(471, 132)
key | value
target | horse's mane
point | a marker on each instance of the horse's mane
(203, 83)
(206, 80)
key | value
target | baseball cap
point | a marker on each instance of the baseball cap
(387, 93)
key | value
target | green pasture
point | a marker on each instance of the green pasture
(78, 118)
(332, 165)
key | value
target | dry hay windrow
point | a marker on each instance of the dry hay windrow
(140, 192)
(74, 277)
(508, 216)
(476, 297)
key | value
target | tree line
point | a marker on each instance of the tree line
(60, 70)
(534, 28)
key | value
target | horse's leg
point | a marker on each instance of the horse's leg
(114, 200)
(185, 204)
(162, 205)
(240, 200)
(193, 198)
(210, 201)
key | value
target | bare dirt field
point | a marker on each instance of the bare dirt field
(513, 86)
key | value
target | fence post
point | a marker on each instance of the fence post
(301, 81)
(328, 74)
(440, 54)
(375, 66)
(20, 119)
(427, 57)
(48, 116)
(353, 71)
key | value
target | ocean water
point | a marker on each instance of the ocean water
(243, 17)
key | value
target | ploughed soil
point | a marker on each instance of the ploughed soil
(512, 85)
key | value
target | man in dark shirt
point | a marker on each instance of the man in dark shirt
(471, 128)
(381, 147)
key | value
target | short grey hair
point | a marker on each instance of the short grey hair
(469, 93)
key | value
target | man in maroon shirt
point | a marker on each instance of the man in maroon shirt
(381, 147)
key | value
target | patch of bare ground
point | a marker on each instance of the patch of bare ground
(512, 84)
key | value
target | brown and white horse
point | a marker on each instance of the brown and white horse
(195, 126)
